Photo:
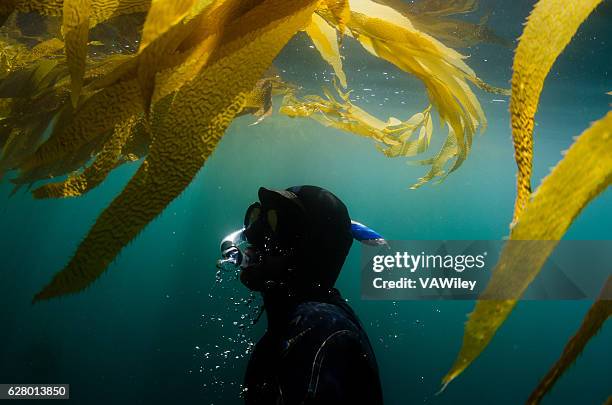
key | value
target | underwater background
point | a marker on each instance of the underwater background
(160, 327)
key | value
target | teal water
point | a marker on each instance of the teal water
(157, 328)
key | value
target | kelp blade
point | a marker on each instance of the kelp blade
(392, 136)
(161, 16)
(531, 65)
(325, 39)
(389, 35)
(105, 161)
(100, 10)
(119, 91)
(599, 312)
(93, 118)
(196, 120)
(340, 10)
(584, 172)
(550, 27)
(76, 30)
(119, 98)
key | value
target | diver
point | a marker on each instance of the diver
(315, 350)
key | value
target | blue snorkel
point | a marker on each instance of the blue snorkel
(366, 235)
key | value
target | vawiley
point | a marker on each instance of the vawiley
(442, 282)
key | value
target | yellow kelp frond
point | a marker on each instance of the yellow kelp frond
(76, 29)
(599, 312)
(340, 11)
(23, 125)
(162, 16)
(21, 142)
(203, 33)
(489, 88)
(438, 162)
(161, 19)
(196, 120)
(394, 136)
(584, 172)
(103, 10)
(177, 52)
(80, 183)
(100, 10)
(44, 7)
(137, 145)
(550, 27)
(95, 116)
(15, 56)
(31, 81)
(404, 132)
(325, 39)
(389, 35)
(108, 105)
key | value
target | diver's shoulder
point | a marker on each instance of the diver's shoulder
(322, 316)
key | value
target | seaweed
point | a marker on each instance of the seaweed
(196, 118)
(325, 39)
(165, 100)
(584, 172)
(394, 138)
(594, 319)
(550, 27)
(389, 35)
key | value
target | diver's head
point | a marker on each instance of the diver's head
(298, 239)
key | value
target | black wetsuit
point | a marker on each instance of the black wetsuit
(315, 351)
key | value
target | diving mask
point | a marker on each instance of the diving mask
(234, 255)
(234, 252)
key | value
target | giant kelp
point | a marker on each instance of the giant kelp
(74, 104)
(393, 137)
(584, 172)
(70, 104)
(187, 135)
(387, 34)
(599, 312)
(531, 66)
